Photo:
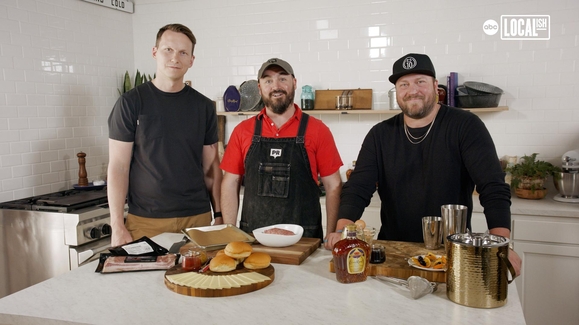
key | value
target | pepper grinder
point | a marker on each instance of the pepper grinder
(82, 175)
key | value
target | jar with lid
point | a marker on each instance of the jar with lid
(392, 99)
(193, 258)
(307, 98)
(351, 257)
(220, 105)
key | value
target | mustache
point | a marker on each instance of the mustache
(277, 92)
(410, 97)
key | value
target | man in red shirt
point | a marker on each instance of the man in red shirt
(280, 153)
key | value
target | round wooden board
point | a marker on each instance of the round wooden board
(189, 291)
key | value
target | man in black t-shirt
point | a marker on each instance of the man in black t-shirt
(425, 157)
(163, 149)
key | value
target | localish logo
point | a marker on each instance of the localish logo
(409, 63)
(525, 27)
(490, 27)
(275, 153)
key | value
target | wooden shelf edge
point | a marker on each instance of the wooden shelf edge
(367, 111)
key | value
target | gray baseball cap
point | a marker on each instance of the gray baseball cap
(275, 61)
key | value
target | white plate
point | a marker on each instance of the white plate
(411, 263)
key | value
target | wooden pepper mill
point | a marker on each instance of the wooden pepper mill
(82, 175)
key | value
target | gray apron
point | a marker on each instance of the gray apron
(279, 187)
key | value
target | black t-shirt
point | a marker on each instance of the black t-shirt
(169, 131)
(414, 180)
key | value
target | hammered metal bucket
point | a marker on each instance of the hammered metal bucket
(478, 268)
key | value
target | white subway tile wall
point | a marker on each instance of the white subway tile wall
(62, 62)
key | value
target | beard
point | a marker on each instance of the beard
(281, 104)
(415, 109)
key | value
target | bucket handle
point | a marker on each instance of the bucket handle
(505, 259)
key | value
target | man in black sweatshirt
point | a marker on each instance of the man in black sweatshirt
(425, 157)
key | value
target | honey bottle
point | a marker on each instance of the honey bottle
(351, 257)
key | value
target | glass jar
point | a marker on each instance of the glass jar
(193, 259)
(307, 98)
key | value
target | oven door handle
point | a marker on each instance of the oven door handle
(85, 256)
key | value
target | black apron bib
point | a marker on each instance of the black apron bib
(279, 187)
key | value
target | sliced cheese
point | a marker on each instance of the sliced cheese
(214, 284)
(255, 276)
(193, 279)
(231, 281)
(177, 277)
(223, 284)
(245, 279)
(240, 281)
(205, 283)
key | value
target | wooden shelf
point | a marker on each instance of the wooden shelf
(367, 111)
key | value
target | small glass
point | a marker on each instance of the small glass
(378, 254)
(369, 233)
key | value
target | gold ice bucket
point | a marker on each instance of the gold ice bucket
(478, 268)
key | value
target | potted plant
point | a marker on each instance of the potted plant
(139, 79)
(529, 175)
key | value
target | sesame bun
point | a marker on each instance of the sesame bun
(238, 249)
(257, 261)
(222, 263)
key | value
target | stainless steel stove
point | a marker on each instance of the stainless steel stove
(47, 235)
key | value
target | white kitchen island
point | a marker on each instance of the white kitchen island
(304, 294)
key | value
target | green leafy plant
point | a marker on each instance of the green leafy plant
(530, 173)
(139, 79)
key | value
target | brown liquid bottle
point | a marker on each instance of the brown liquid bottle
(351, 257)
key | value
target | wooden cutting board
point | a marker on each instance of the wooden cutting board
(223, 292)
(294, 254)
(396, 264)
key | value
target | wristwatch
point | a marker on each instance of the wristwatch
(511, 245)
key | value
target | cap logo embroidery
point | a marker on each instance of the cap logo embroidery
(275, 153)
(409, 63)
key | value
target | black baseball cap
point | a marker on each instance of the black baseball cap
(412, 63)
(275, 61)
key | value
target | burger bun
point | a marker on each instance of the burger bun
(238, 249)
(222, 263)
(257, 261)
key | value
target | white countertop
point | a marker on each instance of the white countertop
(546, 207)
(304, 294)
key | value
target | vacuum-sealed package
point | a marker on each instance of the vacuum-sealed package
(115, 264)
(142, 254)
(141, 246)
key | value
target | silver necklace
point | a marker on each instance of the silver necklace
(420, 138)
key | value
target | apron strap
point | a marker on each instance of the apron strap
(257, 130)
(302, 129)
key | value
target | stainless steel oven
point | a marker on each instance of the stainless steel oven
(48, 235)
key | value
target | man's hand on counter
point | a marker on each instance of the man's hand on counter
(331, 240)
(516, 261)
(120, 236)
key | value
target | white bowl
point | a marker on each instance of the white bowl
(272, 240)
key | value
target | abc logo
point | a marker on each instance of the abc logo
(490, 27)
